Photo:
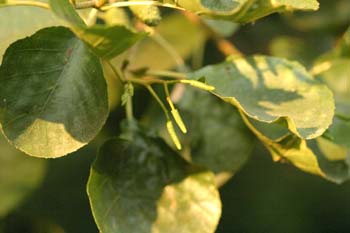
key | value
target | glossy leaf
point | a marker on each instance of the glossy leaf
(57, 101)
(106, 41)
(19, 176)
(217, 137)
(268, 88)
(144, 186)
(13, 28)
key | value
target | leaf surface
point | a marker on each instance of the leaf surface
(106, 41)
(217, 137)
(56, 102)
(268, 88)
(144, 186)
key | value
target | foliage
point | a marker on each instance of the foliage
(68, 65)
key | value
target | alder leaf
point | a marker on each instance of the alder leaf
(268, 88)
(144, 186)
(106, 41)
(318, 157)
(56, 102)
(210, 123)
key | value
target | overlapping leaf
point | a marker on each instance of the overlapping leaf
(217, 137)
(57, 101)
(106, 41)
(268, 88)
(144, 186)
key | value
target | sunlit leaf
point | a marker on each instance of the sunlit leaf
(57, 101)
(144, 186)
(19, 176)
(268, 88)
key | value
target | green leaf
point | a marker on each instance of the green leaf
(57, 101)
(13, 28)
(211, 123)
(19, 176)
(211, 7)
(243, 11)
(307, 156)
(262, 8)
(144, 186)
(318, 157)
(106, 41)
(268, 88)
(150, 15)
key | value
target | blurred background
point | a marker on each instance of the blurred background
(49, 196)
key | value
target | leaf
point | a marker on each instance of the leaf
(268, 88)
(262, 8)
(13, 28)
(144, 186)
(19, 176)
(243, 11)
(57, 101)
(106, 41)
(150, 15)
(211, 7)
(211, 123)
(318, 157)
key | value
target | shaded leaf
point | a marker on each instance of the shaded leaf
(268, 88)
(106, 41)
(218, 138)
(57, 102)
(144, 186)
(19, 176)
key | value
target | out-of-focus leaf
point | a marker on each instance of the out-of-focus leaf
(331, 15)
(268, 88)
(183, 45)
(115, 16)
(106, 41)
(218, 138)
(222, 27)
(144, 186)
(13, 27)
(150, 15)
(57, 102)
(19, 176)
